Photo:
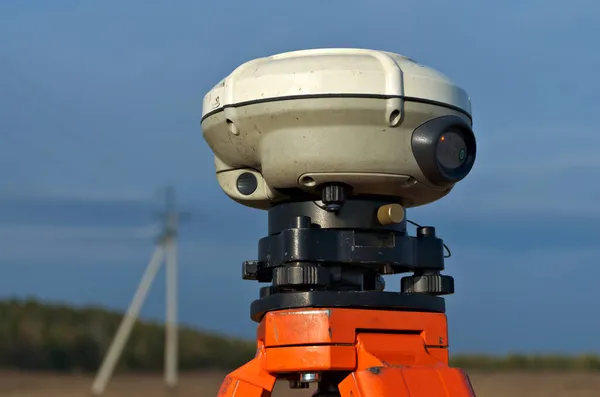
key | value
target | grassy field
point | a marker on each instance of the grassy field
(207, 384)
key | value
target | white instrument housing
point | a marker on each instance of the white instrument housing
(287, 124)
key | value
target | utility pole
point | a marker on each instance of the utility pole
(171, 218)
(166, 248)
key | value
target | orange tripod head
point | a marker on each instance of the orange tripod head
(336, 144)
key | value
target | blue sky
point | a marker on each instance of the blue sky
(100, 105)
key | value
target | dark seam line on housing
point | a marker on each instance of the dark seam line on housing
(315, 96)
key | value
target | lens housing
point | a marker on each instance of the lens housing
(444, 149)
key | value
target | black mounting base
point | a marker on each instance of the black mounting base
(318, 254)
(347, 299)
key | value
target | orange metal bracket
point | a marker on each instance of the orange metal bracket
(385, 353)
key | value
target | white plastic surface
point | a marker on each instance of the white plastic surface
(337, 71)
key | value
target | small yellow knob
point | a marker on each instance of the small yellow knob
(390, 214)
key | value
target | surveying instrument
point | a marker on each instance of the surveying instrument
(336, 144)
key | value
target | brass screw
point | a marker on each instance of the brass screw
(390, 214)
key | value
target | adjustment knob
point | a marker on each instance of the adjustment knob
(300, 274)
(428, 284)
(426, 232)
(390, 214)
(250, 270)
(333, 196)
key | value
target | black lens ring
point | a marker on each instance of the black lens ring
(425, 139)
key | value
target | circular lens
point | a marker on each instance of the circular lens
(451, 150)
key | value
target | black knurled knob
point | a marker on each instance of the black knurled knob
(300, 274)
(428, 284)
(333, 196)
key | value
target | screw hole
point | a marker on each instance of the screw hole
(307, 181)
(232, 127)
(395, 118)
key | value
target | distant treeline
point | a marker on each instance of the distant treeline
(520, 362)
(41, 336)
(52, 337)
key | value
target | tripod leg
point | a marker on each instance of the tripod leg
(118, 343)
(171, 345)
(250, 380)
